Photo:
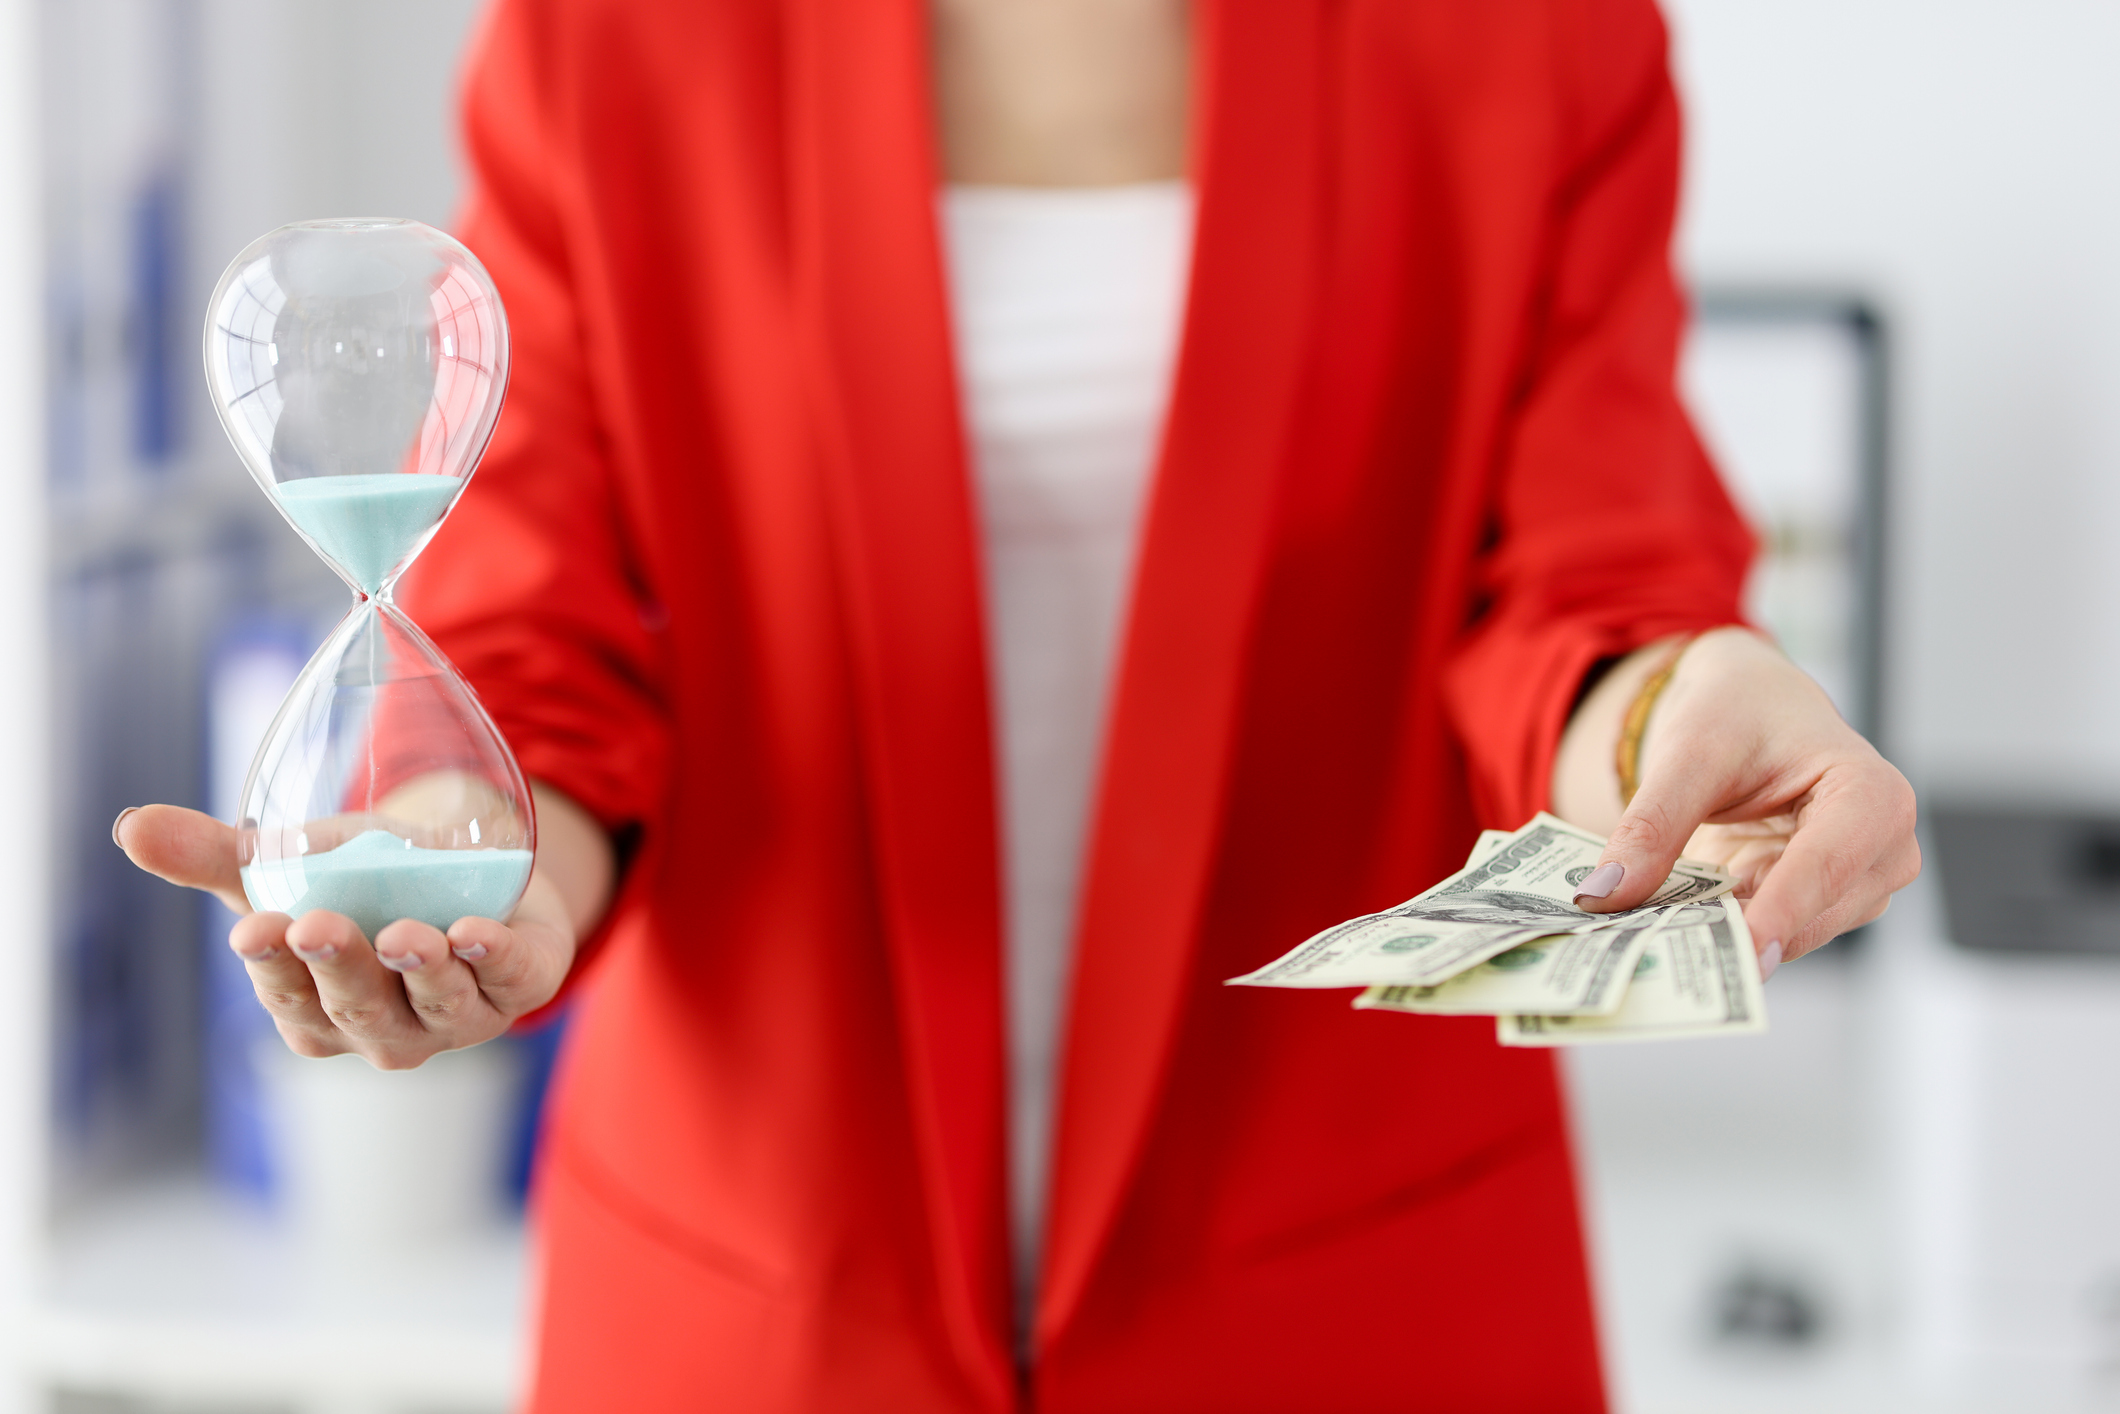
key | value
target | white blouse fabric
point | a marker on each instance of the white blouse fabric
(1067, 305)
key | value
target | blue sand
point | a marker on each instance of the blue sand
(376, 878)
(367, 523)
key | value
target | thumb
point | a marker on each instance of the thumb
(184, 847)
(1663, 815)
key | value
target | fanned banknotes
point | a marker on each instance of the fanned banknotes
(1698, 977)
(1502, 937)
(1521, 889)
(1563, 974)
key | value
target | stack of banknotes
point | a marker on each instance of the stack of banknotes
(1502, 937)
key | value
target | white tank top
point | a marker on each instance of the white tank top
(1067, 304)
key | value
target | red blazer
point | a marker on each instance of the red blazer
(718, 581)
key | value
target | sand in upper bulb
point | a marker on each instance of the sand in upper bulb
(367, 523)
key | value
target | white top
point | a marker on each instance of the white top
(1067, 304)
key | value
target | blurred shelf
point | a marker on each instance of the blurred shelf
(173, 1290)
(185, 514)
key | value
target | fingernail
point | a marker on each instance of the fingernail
(262, 956)
(472, 953)
(1601, 881)
(323, 952)
(409, 962)
(119, 821)
(1769, 960)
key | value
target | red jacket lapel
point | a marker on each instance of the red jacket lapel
(871, 281)
(1175, 714)
(868, 260)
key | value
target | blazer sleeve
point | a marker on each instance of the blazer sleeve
(1607, 526)
(532, 587)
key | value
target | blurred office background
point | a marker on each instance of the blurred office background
(1900, 225)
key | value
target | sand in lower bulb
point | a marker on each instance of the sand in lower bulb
(376, 878)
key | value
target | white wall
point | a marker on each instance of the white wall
(325, 108)
(314, 109)
(1957, 159)
(24, 859)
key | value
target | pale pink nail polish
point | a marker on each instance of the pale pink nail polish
(472, 953)
(1769, 960)
(323, 953)
(1601, 881)
(409, 962)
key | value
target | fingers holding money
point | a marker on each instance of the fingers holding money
(1746, 851)
(1744, 762)
(1852, 849)
(1651, 834)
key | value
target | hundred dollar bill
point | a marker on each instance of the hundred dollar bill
(1573, 974)
(1386, 949)
(1490, 839)
(1698, 976)
(1520, 890)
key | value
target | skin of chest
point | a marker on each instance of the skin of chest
(1057, 93)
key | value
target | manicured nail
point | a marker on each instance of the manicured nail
(1769, 960)
(323, 952)
(1601, 881)
(472, 953)
(409, 962)
(119, 821)
(263, 955)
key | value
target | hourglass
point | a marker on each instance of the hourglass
(359, 367)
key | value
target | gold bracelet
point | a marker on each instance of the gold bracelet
(1627, 754)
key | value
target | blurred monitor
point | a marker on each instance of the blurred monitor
(2028, 878)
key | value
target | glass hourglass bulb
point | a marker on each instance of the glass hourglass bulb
(359, 367)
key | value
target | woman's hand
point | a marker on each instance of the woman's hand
(418, 990)
(1745, 764)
